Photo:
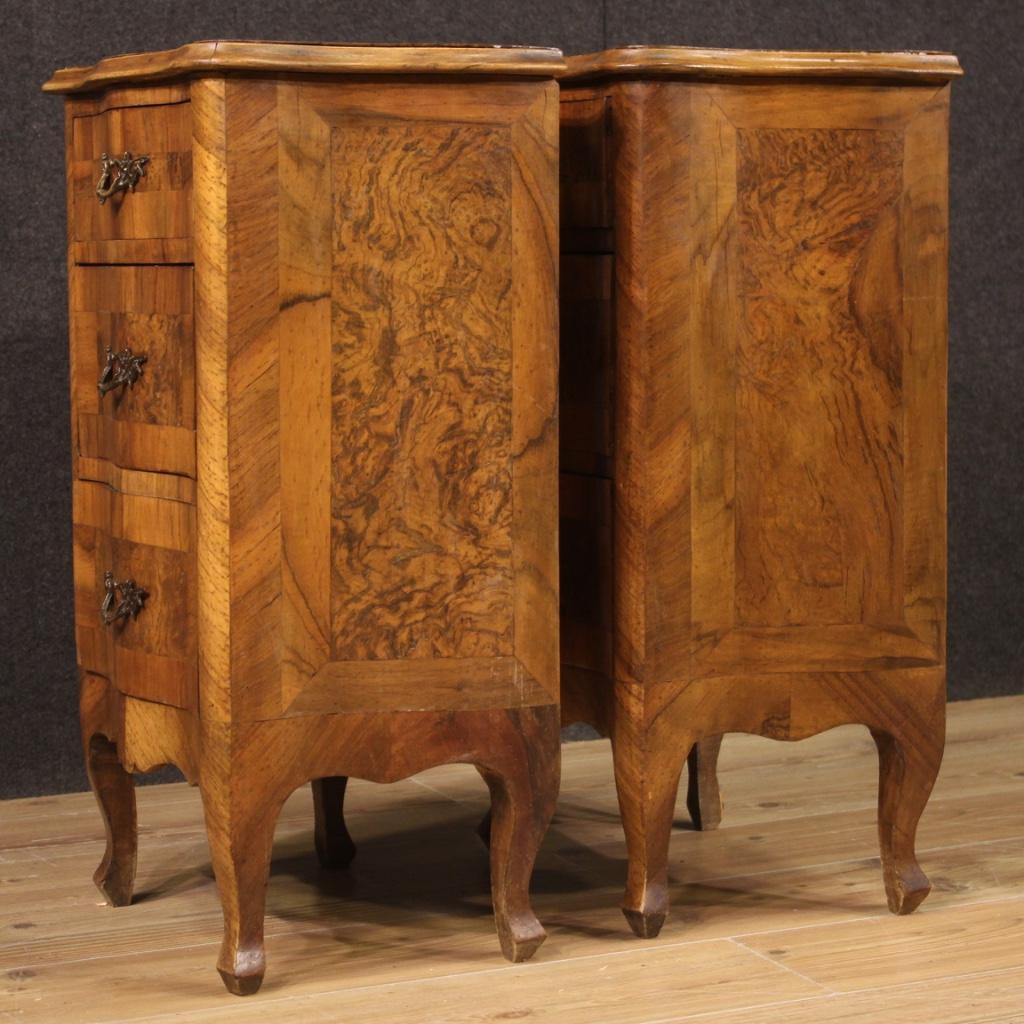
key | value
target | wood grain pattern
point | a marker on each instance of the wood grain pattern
(819, 445)
(160, 206)
(133, 250)
(313, 377)
(707, 62)
(224, 55)
(778, 398)
(213, 506)
(151, 541)
(422, 391)
(128, 481)
(150, 425)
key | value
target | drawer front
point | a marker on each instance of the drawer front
(151, 542)
(160, 205)
(585, 546)
(136, 411)
(585, 185)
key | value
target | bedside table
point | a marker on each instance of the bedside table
(314, 356)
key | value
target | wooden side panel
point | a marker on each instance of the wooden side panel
(149, 425)
(392, 365)
(161, 205)
(151, 541)
(814, 350)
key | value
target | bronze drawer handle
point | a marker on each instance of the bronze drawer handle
(121, 600)
(119, 175)
(122, 368)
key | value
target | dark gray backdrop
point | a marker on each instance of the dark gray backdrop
(39, 745)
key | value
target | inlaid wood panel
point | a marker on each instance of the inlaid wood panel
(151, 424)
(391, 373)
(151, 541)
(160, 206)
(421, 491)
(819, 369)
(816, 399)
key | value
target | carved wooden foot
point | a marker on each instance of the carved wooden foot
(115, 793)
(647, 771)
(240, 818)
(334, 845)
(522, 774)
(703, 797)
(907, 772)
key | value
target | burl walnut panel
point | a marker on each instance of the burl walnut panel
(773, 558)
(421, 495)
(818, 373)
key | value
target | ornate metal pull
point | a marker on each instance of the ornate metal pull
(120, 600)
(119, 175)
(122, 368)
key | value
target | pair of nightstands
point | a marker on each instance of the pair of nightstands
(315, 346)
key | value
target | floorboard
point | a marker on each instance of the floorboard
(778, 916)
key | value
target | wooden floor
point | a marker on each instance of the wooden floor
(777, 917)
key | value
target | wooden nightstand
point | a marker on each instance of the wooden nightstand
(753, 420)
(314, 357)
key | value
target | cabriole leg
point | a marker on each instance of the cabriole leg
(647, 771)
(115, 793)
(240, 821)
(906, 774)
(334, 845)
(703, 797)
(522, 774)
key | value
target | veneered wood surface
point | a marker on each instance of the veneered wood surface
(233, 55)
(706, 62)
(150, 425)
(437, 416)
(779, 440)
(160, 206)
(151, 541)
(421, 390)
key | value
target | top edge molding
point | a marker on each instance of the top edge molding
(697, 62)
(225, 56)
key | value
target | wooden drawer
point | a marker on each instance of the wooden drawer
(585, 386)
(150, 541)
(585, 540)
(160, 207)
(150, 424)
(585, 184)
